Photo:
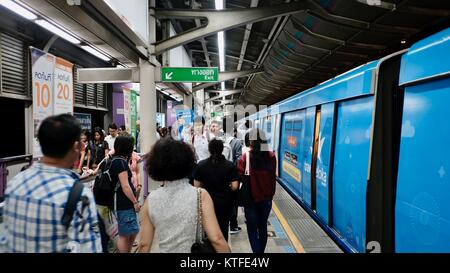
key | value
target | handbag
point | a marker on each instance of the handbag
(244, 195)
(202, 244)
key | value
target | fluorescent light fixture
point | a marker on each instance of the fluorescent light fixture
(14, 7)
(175, 98)
(96, 53)
(56, 30)
(221, 42)
(219, 4)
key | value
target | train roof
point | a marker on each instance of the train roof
(356, 82)
(427, 59)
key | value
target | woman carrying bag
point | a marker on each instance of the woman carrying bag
(177, 211)
(258, 169)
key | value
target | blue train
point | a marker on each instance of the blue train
(367, 153)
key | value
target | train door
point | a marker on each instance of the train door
(323, 148)
(268, 129)
(309, 195)
(350, 169)
(291, 151)
(276, 139)
(422, 211)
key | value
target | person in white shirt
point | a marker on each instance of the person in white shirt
(200, 139)
(113, 133)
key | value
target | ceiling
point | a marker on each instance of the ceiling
(300, 51)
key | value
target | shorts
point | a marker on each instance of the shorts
(127, 222)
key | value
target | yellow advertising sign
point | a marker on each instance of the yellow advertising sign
(292, 171)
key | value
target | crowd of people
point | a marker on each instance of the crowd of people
(200, 180)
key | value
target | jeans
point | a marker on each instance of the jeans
(257, 216)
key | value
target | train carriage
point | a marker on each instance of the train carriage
(355, 151)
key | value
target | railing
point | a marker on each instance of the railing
(9, 167)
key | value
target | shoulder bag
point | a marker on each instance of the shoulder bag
(202, 244)
(244, 195)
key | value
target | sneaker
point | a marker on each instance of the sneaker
(235, 230)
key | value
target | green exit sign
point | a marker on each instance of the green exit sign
(190, 74)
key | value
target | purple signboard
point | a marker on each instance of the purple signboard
(118, 117)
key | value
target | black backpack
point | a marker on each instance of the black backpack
(75, 196)
(104, 186)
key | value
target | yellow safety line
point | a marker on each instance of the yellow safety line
(297, 245)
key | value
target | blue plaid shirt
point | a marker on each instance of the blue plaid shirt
(34, 206)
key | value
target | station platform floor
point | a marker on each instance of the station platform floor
(290, 230)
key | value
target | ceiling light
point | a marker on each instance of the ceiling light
(219, 4)
(56, 30)
(96, 53)
(403, 42)
(16, 8)
(221, 42)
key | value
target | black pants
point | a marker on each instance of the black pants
(234, 212)
(223, 214)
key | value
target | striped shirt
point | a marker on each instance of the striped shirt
(34, 205)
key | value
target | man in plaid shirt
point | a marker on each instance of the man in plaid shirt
(36, 198)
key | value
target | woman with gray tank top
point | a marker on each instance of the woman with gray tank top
(172, 211)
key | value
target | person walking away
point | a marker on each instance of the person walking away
(126, 205)
(113, 134)
(200, 139)
(220, 178)
(172, 211)
(235, 147)
(135, 170)
(36, 198)
(98, 149)
(260, 164)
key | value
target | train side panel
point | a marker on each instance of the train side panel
(422, 212)
(353, 135)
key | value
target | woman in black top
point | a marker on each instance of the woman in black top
(220, 178)
(98, 149)
(126, 204)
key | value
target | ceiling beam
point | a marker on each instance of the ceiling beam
(248, 30)
(223, 94)
(221, 20)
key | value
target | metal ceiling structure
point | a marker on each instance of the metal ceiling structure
(299, 51)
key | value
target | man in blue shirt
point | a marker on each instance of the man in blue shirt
(36, 198)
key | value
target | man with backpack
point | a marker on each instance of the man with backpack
(234, 153)
(47, 209)
(104, 190)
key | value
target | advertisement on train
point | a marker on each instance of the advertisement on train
(291, 149)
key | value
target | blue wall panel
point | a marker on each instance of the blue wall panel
(308, 152)
(423, 187)
(323, 160)
(353, 135)
(291, 150)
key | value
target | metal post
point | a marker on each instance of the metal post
(148, 99)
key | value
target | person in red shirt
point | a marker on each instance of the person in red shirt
(262, 171)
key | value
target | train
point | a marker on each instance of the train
(367, 153)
